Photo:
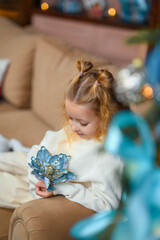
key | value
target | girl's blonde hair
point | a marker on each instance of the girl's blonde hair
(95, 88)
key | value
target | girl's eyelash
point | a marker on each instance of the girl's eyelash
(84, 124)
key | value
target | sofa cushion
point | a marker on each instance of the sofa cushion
(8, 28)
(52, 70)
(5, 106)
(5, 215)
(19, 47)
(54, 67)
(22, 125)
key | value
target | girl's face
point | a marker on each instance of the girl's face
(82, 119)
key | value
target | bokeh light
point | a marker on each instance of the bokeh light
(111, 12)
(44, 6)
(147, 91)
(137, 62)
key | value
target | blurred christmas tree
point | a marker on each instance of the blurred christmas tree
(138, 217)
(152, 73)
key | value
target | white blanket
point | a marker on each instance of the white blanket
(14, 183)
(12, 144)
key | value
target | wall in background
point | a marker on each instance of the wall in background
(105, 41)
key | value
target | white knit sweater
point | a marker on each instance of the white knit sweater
(98, 182)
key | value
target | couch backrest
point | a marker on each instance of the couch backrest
(17, 46)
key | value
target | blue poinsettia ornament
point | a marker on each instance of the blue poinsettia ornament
(51, 169)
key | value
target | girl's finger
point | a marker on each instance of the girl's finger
(40, 184)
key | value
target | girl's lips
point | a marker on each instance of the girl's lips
(79, 134)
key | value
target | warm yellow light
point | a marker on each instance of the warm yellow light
(44, 6)
(111, 12)
(137, 62)
(147, 91)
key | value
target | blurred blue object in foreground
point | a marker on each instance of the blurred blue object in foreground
(143, 212)
(93, 227)
(153, 70)
(139, 156)
(142, 206)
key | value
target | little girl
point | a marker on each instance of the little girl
(90, 103)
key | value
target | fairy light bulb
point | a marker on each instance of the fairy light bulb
(44, 6)
(137, 62)
(147, 91)
(111, 12)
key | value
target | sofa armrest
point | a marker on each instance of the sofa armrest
(42, 219)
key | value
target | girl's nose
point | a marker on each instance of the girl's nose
(74, 126)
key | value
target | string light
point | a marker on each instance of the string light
(44, 6)
(137, 62)
(111, 12)
(147, 91)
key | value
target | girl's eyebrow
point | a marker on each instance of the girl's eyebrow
(77, 119)
(81, 120)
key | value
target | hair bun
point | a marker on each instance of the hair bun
(84, 66)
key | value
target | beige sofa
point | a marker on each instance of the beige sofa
(33, 92)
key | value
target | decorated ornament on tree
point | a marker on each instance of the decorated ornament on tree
(153, 70)
(135, 11)
(138, 218)
(51, 169)
(131, 85)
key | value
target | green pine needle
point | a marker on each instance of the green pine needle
(145, 36)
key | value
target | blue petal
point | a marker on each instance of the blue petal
(50, 188)
(62, 163)
(37, 174)
(53, 159)
(46, 181)
(70, 176)
(58, 180)
(34, 164)
(64, 178)
(43, 155)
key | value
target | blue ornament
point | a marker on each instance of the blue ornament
(51, 169)
(139, 215)
(135, 10)
(139, 156)
(143, 211)
(93, 227)
(153, 70)
(142, 207)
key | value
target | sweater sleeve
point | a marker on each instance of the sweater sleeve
(102, 194)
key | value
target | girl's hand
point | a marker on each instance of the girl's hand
(41, 190)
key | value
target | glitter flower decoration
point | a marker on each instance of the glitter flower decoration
(51, 169)
(131, 84)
